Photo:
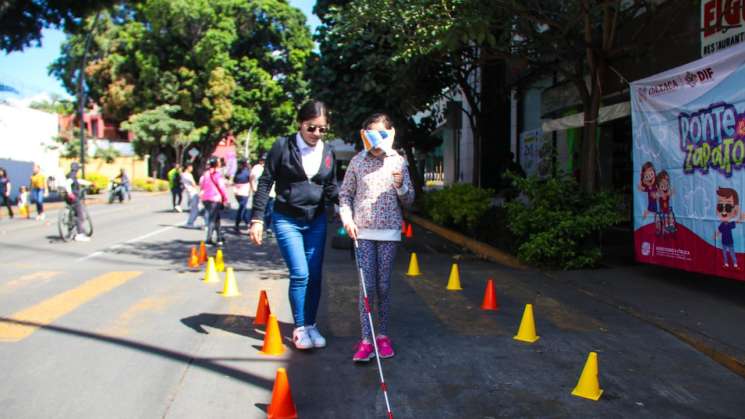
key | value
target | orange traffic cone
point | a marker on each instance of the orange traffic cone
(202, 253)
(490, 297)
(409, 232)
(282, 406)
(193, 258)
(272, 338)
(403, 227)
(262, 311)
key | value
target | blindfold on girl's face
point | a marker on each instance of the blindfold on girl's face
(376, 139)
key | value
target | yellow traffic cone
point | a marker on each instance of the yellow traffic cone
(210, 274)
(219, 263)
(413, 266)
(454, 280)
(588, 385)
(272, 338)
(231, 286)
(526, 333)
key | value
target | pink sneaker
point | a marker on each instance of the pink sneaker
(385, 348)
(365, 352)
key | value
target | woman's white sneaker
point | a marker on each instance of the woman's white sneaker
(315, 336)
(301, 339)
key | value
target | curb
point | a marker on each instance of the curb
(479, 248)
(701, 344)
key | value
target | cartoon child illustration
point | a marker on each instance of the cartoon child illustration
(648, 184)
(728, 211)
(664, 193)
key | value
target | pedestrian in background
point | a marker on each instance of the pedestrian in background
(213, 193)
(5, 188)
(174, 182)
(242, 189)
(192, 194)
(302, 166)
(375, 188)
(256, 173)
(39, 191)
(23, 202)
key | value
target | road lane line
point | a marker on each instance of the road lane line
(53, 308)
(28, 279)
(119, 245)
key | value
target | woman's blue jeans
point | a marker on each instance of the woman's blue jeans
(302, 245)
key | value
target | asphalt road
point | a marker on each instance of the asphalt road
(119, 328)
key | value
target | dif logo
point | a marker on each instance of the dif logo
(646, 248)
(701, 76)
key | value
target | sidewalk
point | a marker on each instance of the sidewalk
(456, 361)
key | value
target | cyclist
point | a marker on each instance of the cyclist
(74, 189)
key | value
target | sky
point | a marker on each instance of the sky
(26, 71)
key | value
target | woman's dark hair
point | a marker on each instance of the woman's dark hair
(2, 170)
(312, 110)
(378, 117)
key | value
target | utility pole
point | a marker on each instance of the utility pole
(81, 93)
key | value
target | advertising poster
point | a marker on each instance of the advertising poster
(689, 165)
(536, 153)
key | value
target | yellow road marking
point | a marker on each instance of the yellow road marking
(53, 308)
(120, 327)
(27, 279)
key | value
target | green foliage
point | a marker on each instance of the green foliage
(68, 148)
(56, 105)
(461, 205)
(226, 64)
(98, 181)
(158, 126)
(149, 184)
(107, 154)
(556, 222)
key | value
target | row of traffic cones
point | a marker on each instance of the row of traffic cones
(282, 406)
(588, 385)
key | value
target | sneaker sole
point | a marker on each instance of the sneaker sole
(368, 359)
(319, 346)
(387, 356)
(303, 348)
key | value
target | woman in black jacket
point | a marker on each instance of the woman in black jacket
(302, 166)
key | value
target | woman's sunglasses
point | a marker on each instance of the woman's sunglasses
(314, 128)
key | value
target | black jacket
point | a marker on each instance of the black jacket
(297, 196)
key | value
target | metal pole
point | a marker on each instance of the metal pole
(81, 93)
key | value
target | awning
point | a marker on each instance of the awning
(606, 113)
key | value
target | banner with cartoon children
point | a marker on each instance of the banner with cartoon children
(689, 165)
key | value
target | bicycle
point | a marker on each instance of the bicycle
(67, 222)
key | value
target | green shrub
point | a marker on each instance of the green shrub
(461, 205)
(98, 182)
(556, 224)
(149, 184)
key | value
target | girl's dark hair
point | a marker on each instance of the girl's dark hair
(378, 117)
(312, 110)
(2, 169)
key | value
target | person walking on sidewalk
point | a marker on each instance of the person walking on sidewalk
(256, 172)
(375, 188)
(5, 188)
(302, 166)
(214, 197)
(174, 182)
(39, 191)
(192, 194)
(242, 189)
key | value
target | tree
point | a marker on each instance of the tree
(578, 39)
(156, 127)
(21, 21)
(356, 61)
(227, 64)
(56, 105)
